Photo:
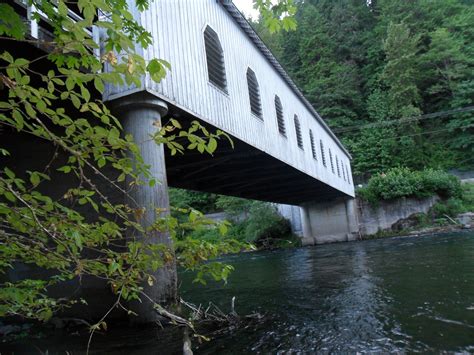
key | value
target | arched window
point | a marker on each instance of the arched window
(254, 94)
(279, 115)
(215, 59)
(331, 161)
(348, 175)
(299, 139)
(323, 155)
(337, 166)
(313, 147)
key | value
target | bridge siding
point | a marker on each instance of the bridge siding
(177, 27)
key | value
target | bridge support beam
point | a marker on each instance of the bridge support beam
(329, 221)
(141, 115)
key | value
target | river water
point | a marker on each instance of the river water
(400, 294)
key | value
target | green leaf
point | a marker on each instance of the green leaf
(9, 173)
(34, 178)
(99, 84)
(20, 62)
(101, 162)
(113, 136)
(211, 145)
(65, 169)
(75, 101)
(85, 93)
(70, 83)
(9, 196)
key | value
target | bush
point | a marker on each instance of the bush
(201, 201)
(451, 207)
(403, 182)
(263, 226)
(265, 223)
(440, 182)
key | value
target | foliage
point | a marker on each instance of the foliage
(403, 182)
(455, 205)
(201, 201)
(235, 207)
(266, 228)
(452, 207)
(277, 15)
(253, 222)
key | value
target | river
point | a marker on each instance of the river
(399, 294)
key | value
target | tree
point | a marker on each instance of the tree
(364, 63)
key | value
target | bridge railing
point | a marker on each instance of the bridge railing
(41, 29)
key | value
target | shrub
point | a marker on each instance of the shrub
(440, 182)
(201, 201)
(265, 223)
(263, 226)
(451, 207)
(403, 182)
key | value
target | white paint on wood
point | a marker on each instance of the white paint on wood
(177, 27)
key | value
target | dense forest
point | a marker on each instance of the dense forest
(394, 79)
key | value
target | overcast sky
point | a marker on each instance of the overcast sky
(246, 7)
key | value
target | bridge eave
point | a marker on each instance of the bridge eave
(258, 42)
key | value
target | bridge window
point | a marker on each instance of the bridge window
(254, 94)
(332, 162)
(279, 115)
(343, 171)
(299, 139)
(313, 147)
(323, 155)
(337, 166)
(348, 175)
(215, 59)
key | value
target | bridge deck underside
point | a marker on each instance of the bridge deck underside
(244, 171)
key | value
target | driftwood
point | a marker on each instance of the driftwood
(214, 319)
(187, 343)
(450, 219)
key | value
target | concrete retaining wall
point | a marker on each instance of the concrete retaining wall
(293, 214)
(387, 213)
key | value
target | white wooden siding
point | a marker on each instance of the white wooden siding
(178, 28)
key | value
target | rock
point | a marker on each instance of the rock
(466, 226)
(465, 218)
(407, 223)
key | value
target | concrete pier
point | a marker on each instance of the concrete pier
(329, 221)
(141, 116)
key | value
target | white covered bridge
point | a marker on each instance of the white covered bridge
(223, 75)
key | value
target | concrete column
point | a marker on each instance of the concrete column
(329, 221)
(308, 237)
(352, 219)
(140, 116)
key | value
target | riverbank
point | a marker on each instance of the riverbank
(384, 214)
(417, 232)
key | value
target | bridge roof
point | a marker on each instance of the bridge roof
(248, 29)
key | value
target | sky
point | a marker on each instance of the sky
(246, 7)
